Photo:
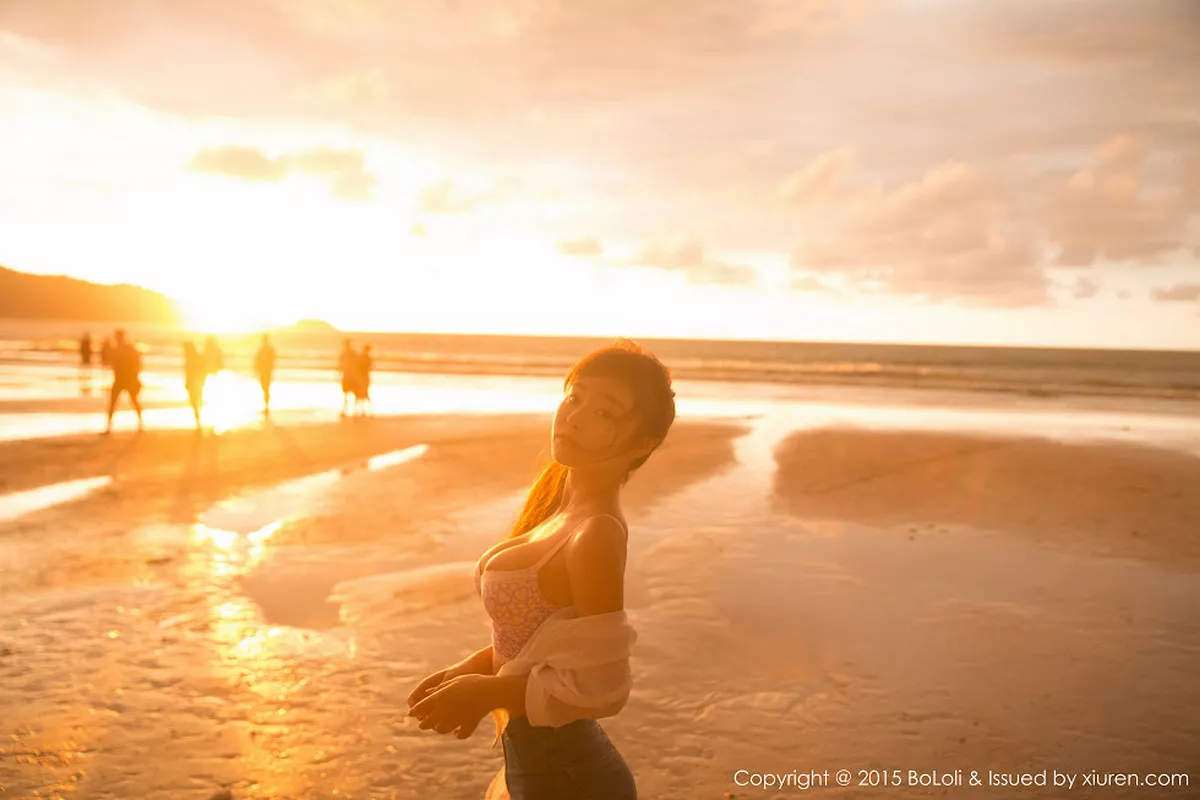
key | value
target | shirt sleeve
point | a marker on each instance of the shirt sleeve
(555, 696)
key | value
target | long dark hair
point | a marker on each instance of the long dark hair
(650, 382)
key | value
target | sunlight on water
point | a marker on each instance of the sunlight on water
(254, 512)
(20, 503)
(385, 460)
(230, 553)
(230, 401)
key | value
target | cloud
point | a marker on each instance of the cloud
(1107, 212)
(952, 234)
(421, 57)
(1093, 31)
(587, 246)
(357, 186)
(1085, 289)
(448, 197)
(978, 234)
(799, 282)
(368, 88)
(325, 161)
(1189, 179)
(344, 169)
(817, 180)
(711, 108)
(19, 47)
(246, 163)
(686, 255)
(681, 253)
(623, 48)
(1180, 293)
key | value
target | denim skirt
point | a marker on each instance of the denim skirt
(574, 762)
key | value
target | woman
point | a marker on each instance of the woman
(555, 593)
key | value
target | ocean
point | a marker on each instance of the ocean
(1036, 372)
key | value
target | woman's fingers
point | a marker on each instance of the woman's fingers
(418, 694)
(423, 708)
(442, 717)
(430, 704)
(424, 687)
(442, 710)
(439, 721)
(467, 729)
(429, 716)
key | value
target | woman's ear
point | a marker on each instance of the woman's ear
(646, 445)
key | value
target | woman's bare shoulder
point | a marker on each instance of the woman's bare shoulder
(596, 566)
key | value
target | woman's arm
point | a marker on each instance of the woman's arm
(478, 663)
(507, 692)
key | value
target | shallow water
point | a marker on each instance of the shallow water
(270, 646)
(18, 504)
(234, 400)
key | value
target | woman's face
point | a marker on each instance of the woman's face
(595, 422)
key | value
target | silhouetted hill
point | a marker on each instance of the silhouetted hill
(26, 296)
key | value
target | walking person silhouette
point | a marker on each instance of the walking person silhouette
(195, 375)
(348, 366)
(126, 368)
(264, 365)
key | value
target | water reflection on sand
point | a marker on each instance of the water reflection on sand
(18, 504)
(191, 682)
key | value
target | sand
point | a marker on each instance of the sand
(1092, 498)
(246, 613)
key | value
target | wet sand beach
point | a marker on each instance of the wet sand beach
(247, 613)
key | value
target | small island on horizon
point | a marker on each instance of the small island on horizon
(309, 326)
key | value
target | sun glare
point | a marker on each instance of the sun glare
(218, 315)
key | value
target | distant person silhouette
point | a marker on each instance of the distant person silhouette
(214, 359)
(85, 363)
(127, 368)
(264, 365)
(348, 366)
(362, 388)
(195, 375)
(106, 352)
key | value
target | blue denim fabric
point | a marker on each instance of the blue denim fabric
(574, 762)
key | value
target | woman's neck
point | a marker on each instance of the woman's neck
(588, 493)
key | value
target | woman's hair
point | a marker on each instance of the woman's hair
(648, 379)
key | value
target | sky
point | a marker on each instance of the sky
(1014, 172)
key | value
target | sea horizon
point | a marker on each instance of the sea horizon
(1033, 371)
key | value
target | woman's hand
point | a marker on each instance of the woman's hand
(427, 685)
(478, 663)
(457, 704)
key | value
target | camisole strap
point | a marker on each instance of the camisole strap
(550, 553)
